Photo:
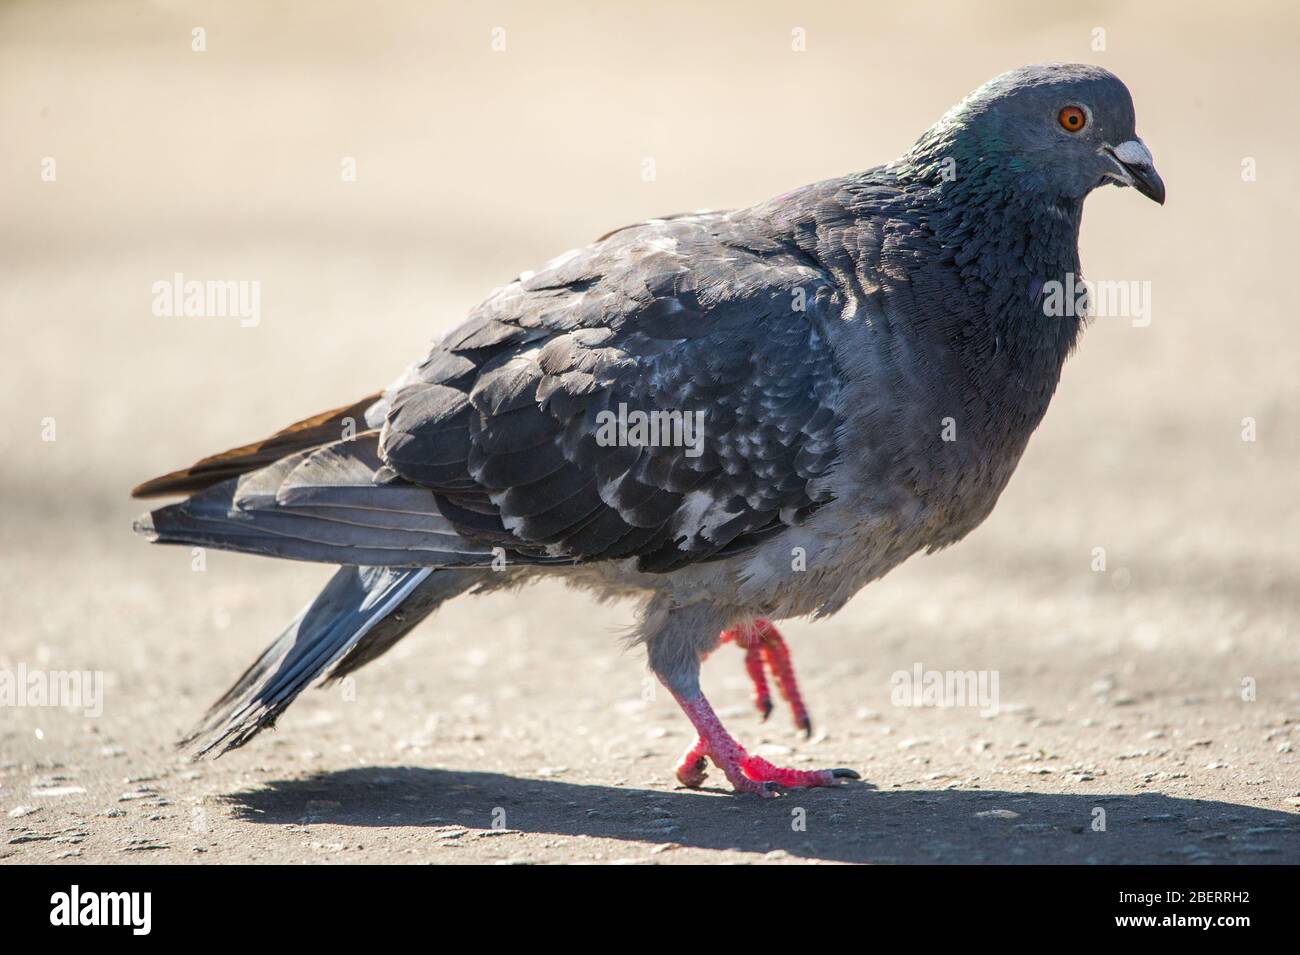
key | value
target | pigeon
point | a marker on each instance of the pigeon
(729, 417)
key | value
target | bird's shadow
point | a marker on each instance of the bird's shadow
(852, 823)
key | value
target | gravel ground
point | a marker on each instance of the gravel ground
(1148, 709)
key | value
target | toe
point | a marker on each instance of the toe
(691, 774)
(754, 787)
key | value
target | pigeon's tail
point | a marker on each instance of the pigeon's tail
(359, 615)
(309, 433)
(327, 504)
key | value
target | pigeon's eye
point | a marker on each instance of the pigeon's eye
(1072, 119)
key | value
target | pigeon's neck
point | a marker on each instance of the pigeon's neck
(1007, 239)
(1001, 241)
(996, 214)
(1008, 246)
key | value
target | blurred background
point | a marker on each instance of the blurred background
(489, 137)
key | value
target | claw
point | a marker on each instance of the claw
(843, 773)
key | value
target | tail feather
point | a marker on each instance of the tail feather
(358, 606)
(437, 588)
(347, 518)
(309, 433)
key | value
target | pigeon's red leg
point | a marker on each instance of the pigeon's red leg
(748, 774)
(753, 648)
(764, 646)
(777, 657)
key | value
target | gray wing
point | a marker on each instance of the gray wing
(706, 319)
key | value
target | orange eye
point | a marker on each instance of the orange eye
(1072, 119)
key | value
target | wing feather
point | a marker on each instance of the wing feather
(674, 319)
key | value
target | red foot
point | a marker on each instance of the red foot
(764, 646)
(748, 774)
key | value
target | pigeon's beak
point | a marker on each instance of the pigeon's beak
(1136, 168)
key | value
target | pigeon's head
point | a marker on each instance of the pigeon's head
(1062, 129)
